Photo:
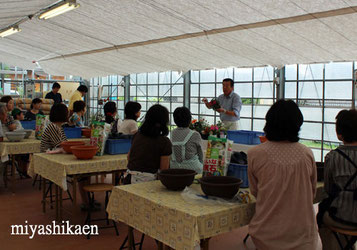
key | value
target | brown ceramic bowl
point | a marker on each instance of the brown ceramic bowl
(220, 186)
(86, 132)
(66, 145)
(176, 179)
(84, 152)
(320, 171)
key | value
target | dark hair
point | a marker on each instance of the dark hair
(56, 85)
(283, 121)
(156, 120)
(229, 80)
(82, 88)
(182, 117)
(35, 101)
(109, 109)
(346, 125)
(6, 99)
(59, 113)
(78, 106)
(131, 108)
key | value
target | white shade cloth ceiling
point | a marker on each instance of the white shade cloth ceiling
(108, 23)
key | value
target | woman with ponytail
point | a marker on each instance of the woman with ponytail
(151, 148)
(110, 112)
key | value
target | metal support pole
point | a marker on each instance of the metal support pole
(187, 89)
(126, 88)
(279, 81)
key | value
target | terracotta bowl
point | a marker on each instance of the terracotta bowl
(262, 139)
(66, 145)
(84, 152)
(86, 132)
(220, 186)
(176, 179)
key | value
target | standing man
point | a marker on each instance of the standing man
(230, 103)
(54, 95)
(77, 96)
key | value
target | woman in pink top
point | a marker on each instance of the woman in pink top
(282, 177)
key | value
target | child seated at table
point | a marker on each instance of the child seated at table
(132, 112)
(54, 133)
(110, 112)
(9, 124)
(35, 109)
(18, 116)
(186, 143)
(79, 109)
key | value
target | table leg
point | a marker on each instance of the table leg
(56, 200)
(205, 244)
(74, 193)
(131, 245)
(160, 245)
(13, 174)
(43, 195)
(60, 203)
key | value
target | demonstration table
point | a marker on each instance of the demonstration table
(164, 215)
(57, 167)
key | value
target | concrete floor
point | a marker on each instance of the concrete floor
(25, 205)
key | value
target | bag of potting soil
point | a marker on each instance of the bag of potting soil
(218, 151)
(99, 135)
(41, 123)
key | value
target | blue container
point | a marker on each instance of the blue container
(244, 136)
(72, 133)
(239, 171)
(117, 146)
(29, 124)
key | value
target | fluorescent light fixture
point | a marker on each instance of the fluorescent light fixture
(9, 31)
(59, 9)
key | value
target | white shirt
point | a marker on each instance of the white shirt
(128, 127)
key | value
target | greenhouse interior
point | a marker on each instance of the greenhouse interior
(151, 124)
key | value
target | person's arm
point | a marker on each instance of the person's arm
(61, 101)
(328, 178)
(164, 162)
(253, 181)
(205, 101)
(236, 107)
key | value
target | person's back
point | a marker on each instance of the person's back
(193, 154)
(338, 170)
(284, 174)
(282, 177)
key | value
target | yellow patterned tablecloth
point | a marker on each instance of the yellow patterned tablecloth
(164, 215)
(27, 146)
(56, 167)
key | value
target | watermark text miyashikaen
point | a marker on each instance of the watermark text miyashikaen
(53, 229)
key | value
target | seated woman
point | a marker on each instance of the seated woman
(132, 112)
(150, 149)
(35, 109)
(186, 143)
(282, 177)
(340, 208)
(54, 133)
(79, 109)
(110, 112)
(9, 125)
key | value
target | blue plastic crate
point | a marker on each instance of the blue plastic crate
(117, 146)
(244, 136)
(72, 132)
(29, 124)
(239, 171)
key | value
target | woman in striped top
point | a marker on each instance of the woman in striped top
(54, 133)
